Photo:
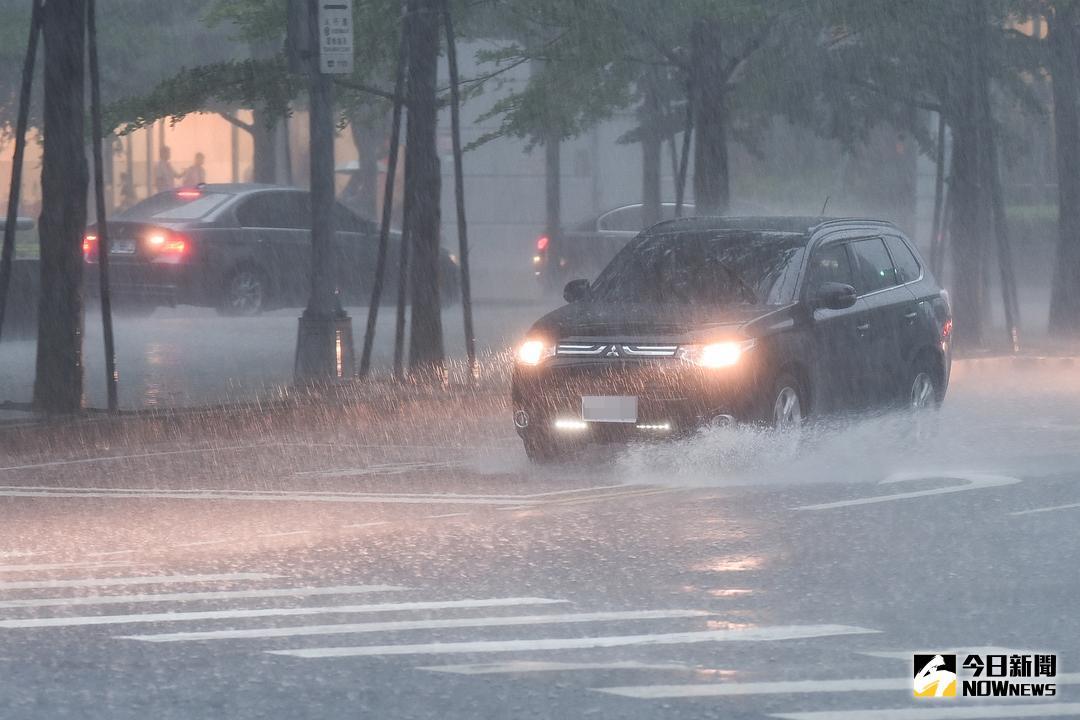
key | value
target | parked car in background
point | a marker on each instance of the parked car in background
(758, 320)
(582, 250)
(240, 248)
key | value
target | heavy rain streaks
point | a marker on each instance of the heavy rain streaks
(720, 359)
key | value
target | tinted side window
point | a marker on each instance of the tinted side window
(830, 264)
(287, 210)
(907, 265)
(874, 266)
(346, 221)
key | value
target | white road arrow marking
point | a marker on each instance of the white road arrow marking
(970, 480)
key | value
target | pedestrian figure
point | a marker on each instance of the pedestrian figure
(127, 191)
(196, 174)
(164, 175)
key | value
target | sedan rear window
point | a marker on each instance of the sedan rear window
(710, 268)
(175, 205)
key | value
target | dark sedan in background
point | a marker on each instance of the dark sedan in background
(762, 320)
(240, 248)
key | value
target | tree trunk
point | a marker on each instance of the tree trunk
(651, 149)
(1065, 292)
(423, 188)
(970, 222)
(265, 150)
(711, 181)
(58, 384)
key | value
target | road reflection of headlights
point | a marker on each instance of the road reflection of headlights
(716, 355)
(533, 352)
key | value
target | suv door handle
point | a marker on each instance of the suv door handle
(911, 316)
(862, 328)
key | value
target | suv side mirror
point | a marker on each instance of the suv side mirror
(576, 290)
(835, 296)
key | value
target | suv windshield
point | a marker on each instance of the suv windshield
(175, 205)
(704, 268)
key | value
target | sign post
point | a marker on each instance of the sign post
(324, 345)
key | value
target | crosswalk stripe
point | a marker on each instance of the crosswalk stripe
(793, 687)
(443, 623)
(983, 712)
(24, 623)
(527, 666)
(192, 596)
(138, 580)
(788, 632)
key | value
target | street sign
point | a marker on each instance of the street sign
(335, 37)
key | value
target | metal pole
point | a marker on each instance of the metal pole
(459, 189)
(7, 255)
(388, 200)
(324, 339)
(111, 378)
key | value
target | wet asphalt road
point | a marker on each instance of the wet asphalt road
(356, 567)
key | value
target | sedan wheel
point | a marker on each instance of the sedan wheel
(245, 293)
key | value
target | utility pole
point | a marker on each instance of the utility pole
(324, 345)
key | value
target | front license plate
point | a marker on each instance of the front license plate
(609, 408)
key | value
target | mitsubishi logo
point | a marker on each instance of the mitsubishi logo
(613, 351)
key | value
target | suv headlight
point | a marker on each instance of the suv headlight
(534, 352)
(716, 355)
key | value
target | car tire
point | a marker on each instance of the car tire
(245, 293)
(542, 449)
(924, 389)
(784, 405)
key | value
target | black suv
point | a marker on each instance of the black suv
(763, 320)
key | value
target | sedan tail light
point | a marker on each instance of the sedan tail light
(542, 243)
(89, 248)
(165, 243)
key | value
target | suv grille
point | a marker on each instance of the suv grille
(615, 350)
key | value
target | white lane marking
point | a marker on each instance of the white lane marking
(108, 458)
(763, 634)
(1052, 508)
(197, 491)
(906, 655)
(397, 468)
(367, 524)
(36, 567)
(527, 666)
(206, 542)
(971, 481)
(109, 553)
(252, 497)
(986, 712)
(268, 612)
(286, 533)
(193, 596)
(444, 515)
(755, 688)
(19, 554)
(793, 687)
(398, 625)
(138, 580)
